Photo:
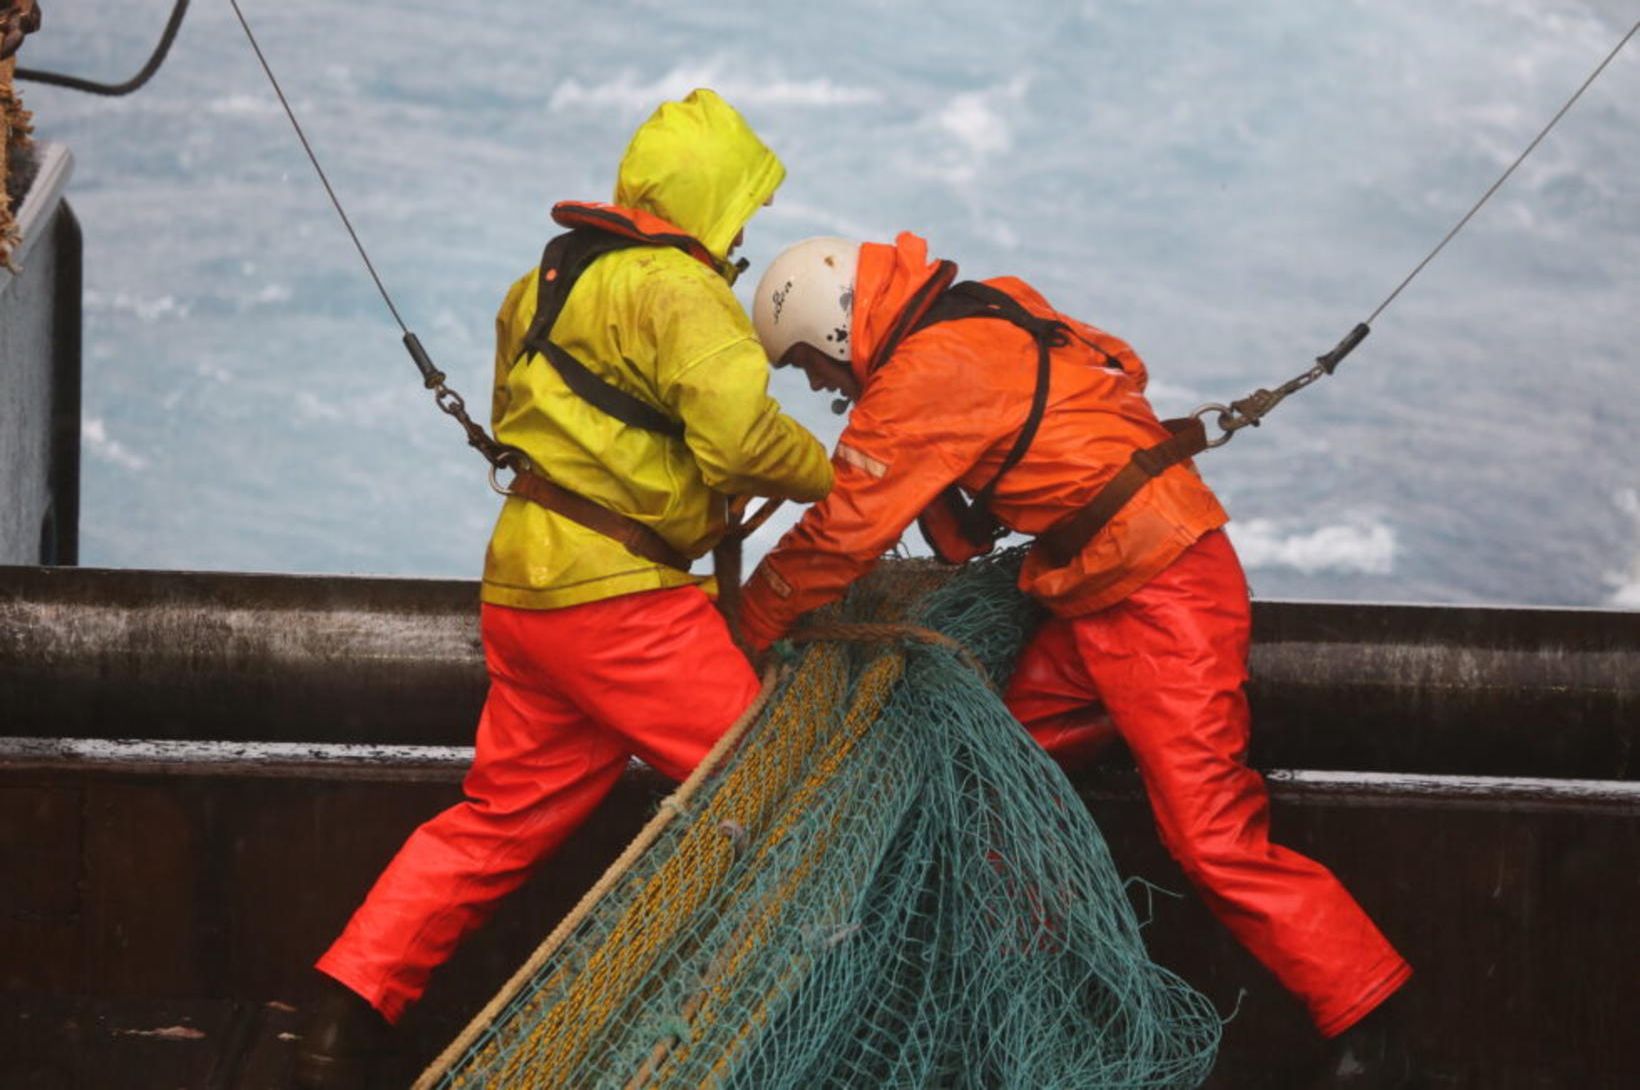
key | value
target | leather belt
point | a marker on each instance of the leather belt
(638, 539)
(1064, 540)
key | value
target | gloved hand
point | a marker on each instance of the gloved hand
(778, 654)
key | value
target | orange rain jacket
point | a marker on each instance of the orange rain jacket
(946, 407)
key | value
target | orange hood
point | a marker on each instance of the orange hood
(893, 287)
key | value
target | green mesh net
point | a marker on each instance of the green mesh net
(880, 882)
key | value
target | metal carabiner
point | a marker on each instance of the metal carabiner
(509, 458)
(1224, 412)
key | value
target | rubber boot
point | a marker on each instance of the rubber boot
(1373, 1054)
(343, 1038)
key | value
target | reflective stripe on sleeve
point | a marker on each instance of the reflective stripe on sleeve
(777, 584)
(859, 459)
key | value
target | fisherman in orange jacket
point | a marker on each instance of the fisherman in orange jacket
(630, 377)
(979, 408)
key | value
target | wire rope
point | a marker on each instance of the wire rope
(314, 159)
(1505, 175)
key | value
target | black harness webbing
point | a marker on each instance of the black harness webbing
(1066, 538)
(972, 299)
(562, 263)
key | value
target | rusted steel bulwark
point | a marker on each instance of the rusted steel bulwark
(200, 775)
(331, 762)
(1419, 689)
(139, 884)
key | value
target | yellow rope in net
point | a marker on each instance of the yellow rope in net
(876, 880)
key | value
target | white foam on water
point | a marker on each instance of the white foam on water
(94, 437)
(820, 219)
(978, 118)
(146, 310)
(1365, 547)
(627, 93)
(976, 127)
(269, 294)
(244, 105)
(1627, 594)
(1174, 395)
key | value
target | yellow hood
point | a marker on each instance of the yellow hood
(697, 164)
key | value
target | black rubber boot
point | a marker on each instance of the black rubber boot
(342, 1039)
(1373, 1054)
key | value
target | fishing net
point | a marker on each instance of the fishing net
(878, 880)
(15, 129)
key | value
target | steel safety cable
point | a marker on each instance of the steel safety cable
(1250, 410)
(1505, 175)
(314, 159)
(498, 454)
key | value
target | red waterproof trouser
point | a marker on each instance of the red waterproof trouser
(574, 693)
(1164, 669)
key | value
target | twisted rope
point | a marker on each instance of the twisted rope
(890, 632)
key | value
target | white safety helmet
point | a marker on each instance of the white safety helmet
(808, 295)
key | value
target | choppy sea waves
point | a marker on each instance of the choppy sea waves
(1229, 188)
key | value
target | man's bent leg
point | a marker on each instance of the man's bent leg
(541, 766)
(1051, 693)
(1170, 663)
(666, 678)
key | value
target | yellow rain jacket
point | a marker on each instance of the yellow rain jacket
(664, 327)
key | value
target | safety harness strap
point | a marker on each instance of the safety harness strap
(596, 230)
(605, 397)
(972, 299)
(1062, 542)
(638, 539)
(562, 263)
(912, 316)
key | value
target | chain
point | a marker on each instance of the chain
(498, 454)
(1250, 410)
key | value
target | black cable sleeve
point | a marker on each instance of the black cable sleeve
(76, 83)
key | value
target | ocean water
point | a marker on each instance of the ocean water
(1229, 186)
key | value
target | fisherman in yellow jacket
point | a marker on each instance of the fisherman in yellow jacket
(633, 382)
